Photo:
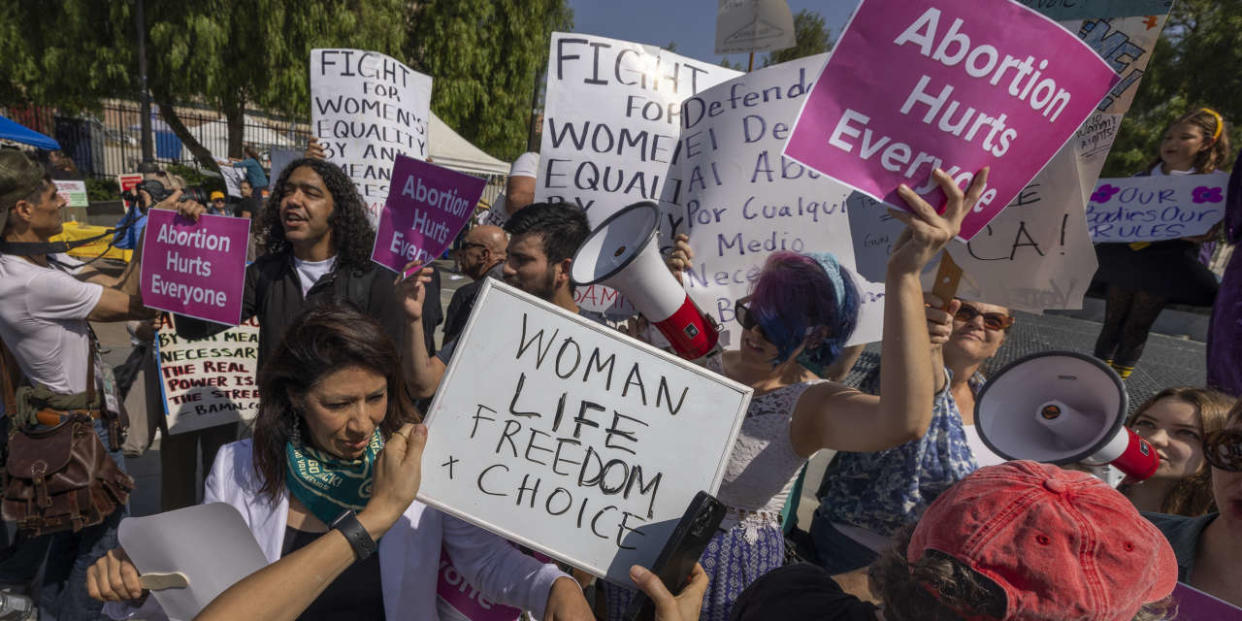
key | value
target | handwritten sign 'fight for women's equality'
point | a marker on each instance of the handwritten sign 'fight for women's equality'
(426, 208)
(366, 109)
(1155, 208)
(576, 441)
(952, 84)
(196, 269)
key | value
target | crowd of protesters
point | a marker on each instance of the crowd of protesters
(918, 517)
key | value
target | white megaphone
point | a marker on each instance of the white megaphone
(1062, 407)
(622, 253)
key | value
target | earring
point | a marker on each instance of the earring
(296, 436)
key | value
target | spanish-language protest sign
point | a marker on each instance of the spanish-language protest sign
(743, 200)
(611, 123)
(366, 109)
(1154, 208)
(196, 269)
(950, 84)
(210, 381)
(577, 441)
(753, 26)
(1037, 254)
(1195, 605)
(426, 208)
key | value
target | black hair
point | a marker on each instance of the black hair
(352, 234)
(561, 226)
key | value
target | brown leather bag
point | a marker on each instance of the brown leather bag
(60, 477)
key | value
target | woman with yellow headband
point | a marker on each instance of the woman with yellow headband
(1143, 277)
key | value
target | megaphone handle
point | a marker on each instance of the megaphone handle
(161, 581)
(948, 277)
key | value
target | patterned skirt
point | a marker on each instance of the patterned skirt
(731, 561)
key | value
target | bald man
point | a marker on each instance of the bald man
(482, 254)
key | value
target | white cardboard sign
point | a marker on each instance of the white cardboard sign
(743, 200)
(572, 439)
(611, 124)
(210, 544)
(366, 109)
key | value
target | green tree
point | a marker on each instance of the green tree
(812, 38)
(232, 55)
(486, 57)
(1195, 63)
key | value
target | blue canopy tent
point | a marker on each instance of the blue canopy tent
(10, 130)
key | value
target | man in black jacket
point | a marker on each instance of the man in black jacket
(318, 248)
(318, 243)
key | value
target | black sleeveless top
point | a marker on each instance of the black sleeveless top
(355, 594)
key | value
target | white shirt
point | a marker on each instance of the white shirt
(409, 554)
(43, 313)
(309, 272)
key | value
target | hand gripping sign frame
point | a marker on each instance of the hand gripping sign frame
(598, 478)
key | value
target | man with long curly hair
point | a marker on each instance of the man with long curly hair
(316, 241)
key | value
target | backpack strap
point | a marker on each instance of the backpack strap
(9, 378)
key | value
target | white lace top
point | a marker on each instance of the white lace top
(763, 466)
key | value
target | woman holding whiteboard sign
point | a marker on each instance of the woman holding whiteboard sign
(802, 311)
(331, 397)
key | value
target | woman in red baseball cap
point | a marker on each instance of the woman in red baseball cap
(1019, 541)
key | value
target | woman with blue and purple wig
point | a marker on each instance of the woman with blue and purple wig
(801, 312)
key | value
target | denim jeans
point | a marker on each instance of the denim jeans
(62, 594)
(838, 553)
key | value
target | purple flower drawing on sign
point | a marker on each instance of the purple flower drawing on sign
(1104, 193)
(1204, 194)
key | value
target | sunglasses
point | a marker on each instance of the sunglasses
(741, 310)
(991, 321)
(1223, 449)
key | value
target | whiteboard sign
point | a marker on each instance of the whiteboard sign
(568, 437)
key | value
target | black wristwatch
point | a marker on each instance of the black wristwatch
(357, 536)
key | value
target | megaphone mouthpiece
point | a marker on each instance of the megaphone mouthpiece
(621, 253)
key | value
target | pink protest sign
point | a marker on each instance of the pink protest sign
(195, 268)
(459, 601)
(915, 85)
(427, 205)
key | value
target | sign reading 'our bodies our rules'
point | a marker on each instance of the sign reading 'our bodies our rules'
(366, 109)
(951, 84)
(576, 441)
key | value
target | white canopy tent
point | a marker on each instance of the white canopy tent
(450, 150)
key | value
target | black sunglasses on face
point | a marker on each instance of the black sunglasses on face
(1223, 449)
(991, 321)
(741, 310)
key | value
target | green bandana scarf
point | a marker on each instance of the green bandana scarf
(328, 485)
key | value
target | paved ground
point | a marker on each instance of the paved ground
(1168, 361)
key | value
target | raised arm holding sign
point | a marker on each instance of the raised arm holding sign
(952, 84)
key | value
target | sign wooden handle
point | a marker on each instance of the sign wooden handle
(161, 581)
(948, 276)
